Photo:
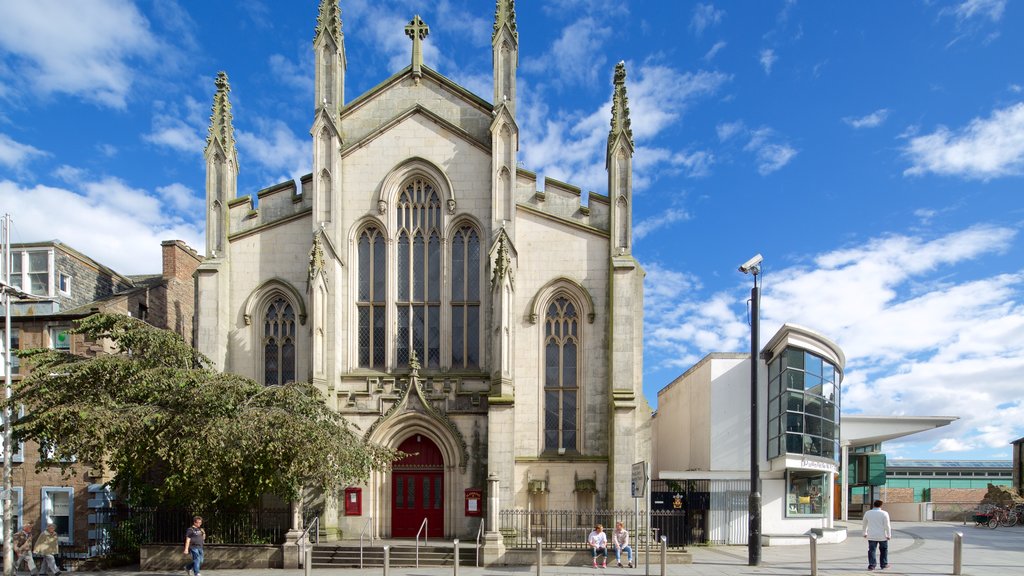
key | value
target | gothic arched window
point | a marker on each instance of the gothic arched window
(561, 375)
(279, 342)
(465, 274)
(370, 300)
(418, 304)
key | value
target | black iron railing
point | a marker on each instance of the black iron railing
(568, 529)
(257, 526)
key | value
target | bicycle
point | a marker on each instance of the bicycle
(1003, 516)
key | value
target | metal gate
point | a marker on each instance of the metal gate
(716, 510)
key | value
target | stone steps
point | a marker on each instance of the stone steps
(347, 556)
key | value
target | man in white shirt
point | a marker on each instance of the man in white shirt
(598, 542)
(878, 531)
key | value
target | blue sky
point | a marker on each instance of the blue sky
(872, 151)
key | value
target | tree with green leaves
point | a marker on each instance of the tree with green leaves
(173, 431)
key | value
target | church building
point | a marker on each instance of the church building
(444, 301)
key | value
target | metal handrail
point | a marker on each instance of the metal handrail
(425, 531)
(304, 538)
(367, 524)
(479, 534)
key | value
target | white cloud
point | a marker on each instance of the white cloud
(70, 174)
(714, 50)
(108, 150)
(771, 155)
(297, 76)
(570, 146)
(991, 9)
(175, 134)
(79, 48)
(952, 445)
(274, 147)
(110, 221)
(872, 120)
(665, 218)
(15, 154)
(704, 16)
(907, 311)
(767, 59)
(727, 130)
(182, 198)
(770, 152)
(986, 148)
(575, 56)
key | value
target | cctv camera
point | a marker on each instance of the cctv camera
(752, 266)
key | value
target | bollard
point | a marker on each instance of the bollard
(540, 552)
(308, 568)
(664, 556)
(456, 557)
(958, 552)
(814, 554)
(387, 560)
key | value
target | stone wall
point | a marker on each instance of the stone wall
(167, 557)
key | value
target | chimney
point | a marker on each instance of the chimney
(179, 261)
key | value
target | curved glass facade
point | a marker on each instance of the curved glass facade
(803, 405)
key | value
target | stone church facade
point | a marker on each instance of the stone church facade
(442, 302)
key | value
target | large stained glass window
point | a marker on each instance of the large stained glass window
(561, 375)
(418, 305)
(465, 298)
(279, 343)
(370, 298)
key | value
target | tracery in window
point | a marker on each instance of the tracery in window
(370, 300)
(561, 375)
(418, 305)
(279, 343)
(465, 298)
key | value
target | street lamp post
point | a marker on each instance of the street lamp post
(753, 267)
(5, 497)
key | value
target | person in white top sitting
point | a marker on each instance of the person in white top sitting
(878, 531)
(620, 540)
(598, 542)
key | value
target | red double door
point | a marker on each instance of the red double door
(417, 489)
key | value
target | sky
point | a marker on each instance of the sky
(872, 151)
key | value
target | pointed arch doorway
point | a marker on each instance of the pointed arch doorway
(417, 488)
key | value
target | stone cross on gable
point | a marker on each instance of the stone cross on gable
(417, 30)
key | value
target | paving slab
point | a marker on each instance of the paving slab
(923, 548)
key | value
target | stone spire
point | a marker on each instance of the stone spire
(222, 131)
(329, 21)
(620, 109)
(505, 15)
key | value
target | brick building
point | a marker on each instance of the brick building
(67, 286)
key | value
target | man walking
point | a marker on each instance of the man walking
(23, 549)
(878, 531)
(195, 537)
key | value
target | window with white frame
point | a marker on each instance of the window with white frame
(16, 508)
(18, 454)
(60, 339)
(58, 504)
(30, 271)
(15, 346)
(64, 284)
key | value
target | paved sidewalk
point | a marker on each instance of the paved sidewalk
(916, 548)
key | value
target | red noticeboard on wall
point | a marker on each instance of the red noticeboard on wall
(474, 502)
(353, 501)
